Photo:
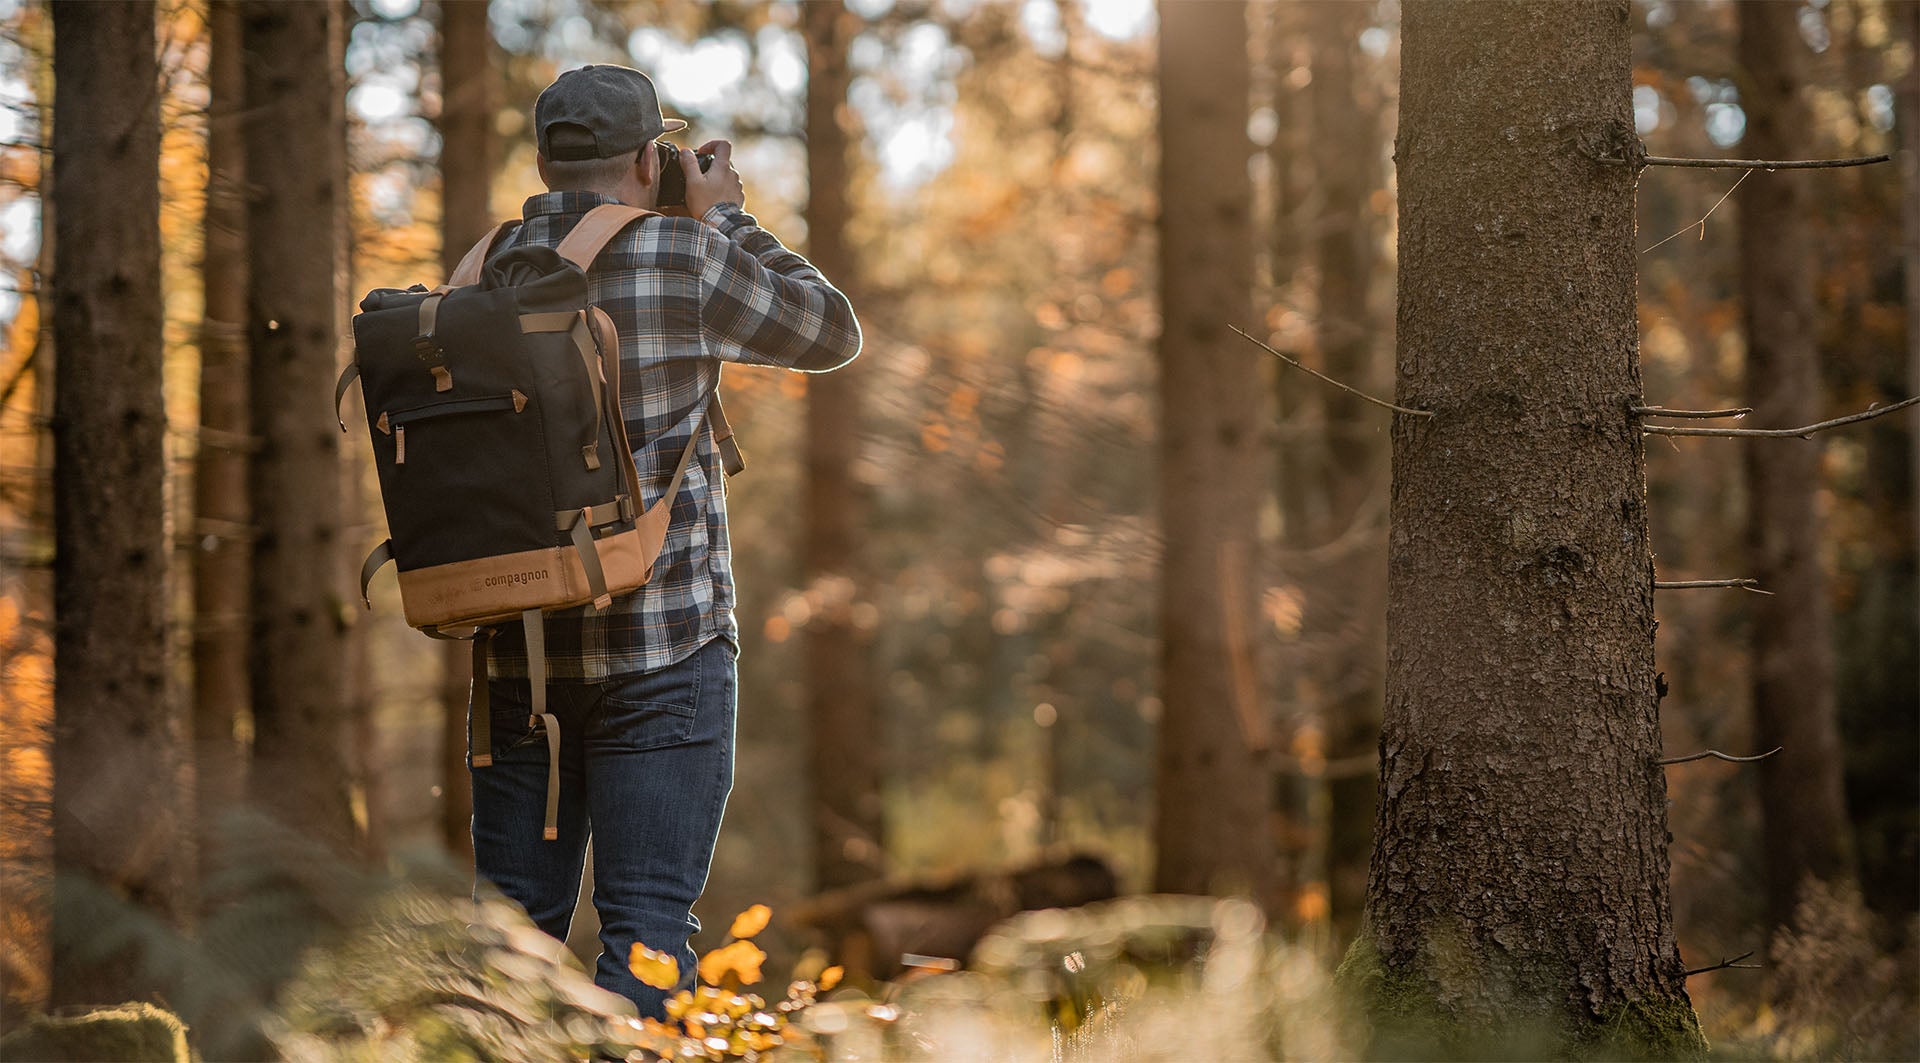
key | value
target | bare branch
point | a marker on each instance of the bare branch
(1765, 164)
(1700, 584)
(1330, 380)
(1321, 768)
(1780, 433)
(1717, 755)
(1662, 411)
(1724, 964)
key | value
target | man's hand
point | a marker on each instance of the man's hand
(719, 184)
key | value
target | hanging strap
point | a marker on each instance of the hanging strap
(340, 387)
(536, 630)
(550, 830)
(375, 561)
(731, 459)
(480, 708)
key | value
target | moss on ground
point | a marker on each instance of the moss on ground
(129, 1033)
(1397, 1015)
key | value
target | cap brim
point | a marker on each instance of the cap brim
(671, 125)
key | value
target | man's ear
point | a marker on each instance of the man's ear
(540, 164)
(647, 165)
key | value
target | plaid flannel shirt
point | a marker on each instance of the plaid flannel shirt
(686, 295)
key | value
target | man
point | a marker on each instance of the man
(644, 691)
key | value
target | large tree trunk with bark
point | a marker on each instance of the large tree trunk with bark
(222, 520)
(1346, 602)
(1517, 899)
(296, 264)
(121, 831)
(466, 179)
(844, 759)
(1211, 830)
(1802, 811)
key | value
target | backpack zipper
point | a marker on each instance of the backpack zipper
(397, 420)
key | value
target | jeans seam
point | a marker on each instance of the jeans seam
(721, 782)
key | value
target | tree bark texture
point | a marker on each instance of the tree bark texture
(1803, 813)
(222, 520)
(1347, 597)
(848, 825)
(1517, 898)
(297, 298)
(467, 154)
(121, 830)
(1211, 828)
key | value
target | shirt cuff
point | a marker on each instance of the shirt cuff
(729, 218)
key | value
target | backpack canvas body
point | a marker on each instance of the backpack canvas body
(502, 454)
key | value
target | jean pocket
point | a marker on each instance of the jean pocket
(633, 723)
(509, 723)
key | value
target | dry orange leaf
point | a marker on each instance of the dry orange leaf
(657, 969)
(751, 921)
(740, 958)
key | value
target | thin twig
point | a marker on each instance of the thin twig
(1699, 584)
(1702, 223)
(1717, 755)
(1724, 964)
(1662, 411)
(1352, 767)
(1330, 380)
(1780, 433)
(1765, 164)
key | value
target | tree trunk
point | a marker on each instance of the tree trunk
(121, 832)
(845, 755)
(222, 522)
(466, 175)
(1347, 598)
(1517, 899)
(1910, 217)
(1211, 830)
(1802, 811)
(296, 176)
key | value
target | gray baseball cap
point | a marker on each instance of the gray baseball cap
(599, 112)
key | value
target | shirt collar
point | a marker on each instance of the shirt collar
(563, 203)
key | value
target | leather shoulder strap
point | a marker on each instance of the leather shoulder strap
(468, 271)
(600, 225)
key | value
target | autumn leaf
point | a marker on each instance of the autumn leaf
(657, 969)
(831, 977)
(740, 958)
(751, 921)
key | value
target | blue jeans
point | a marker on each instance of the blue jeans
(646, 763)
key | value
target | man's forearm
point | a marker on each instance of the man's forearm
(768, 305)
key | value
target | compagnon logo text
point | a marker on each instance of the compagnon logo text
(512, 579)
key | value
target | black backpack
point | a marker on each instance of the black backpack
(493, 406)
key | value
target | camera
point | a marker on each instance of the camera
(673, 180)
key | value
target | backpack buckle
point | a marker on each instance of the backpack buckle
(427, 348)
